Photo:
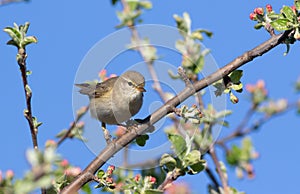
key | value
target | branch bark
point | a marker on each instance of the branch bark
(28, 94)
(112, 148)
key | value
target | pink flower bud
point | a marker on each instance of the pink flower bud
(120, 131)
(102, 73)
(50, 143)
(80, 124)
(109, 180)
(259, 11)
(137, 177)
(250, 88)
(260, 84)
(269, 8)
(152, 179)
(9, 174)
(252, 16)
(74, 171)
(112, 167)
(64, 163)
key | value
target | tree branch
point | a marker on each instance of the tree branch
(28, 95)
(112, 148)
(223, 179)
(79, 114)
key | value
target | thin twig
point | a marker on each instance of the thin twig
(223, 179)
(79, 115)
(114, 147)
(212, 177)
(28, 95)
(241, 131)
(140, 48)
(170, 178)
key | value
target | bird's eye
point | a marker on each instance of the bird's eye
(130, 83)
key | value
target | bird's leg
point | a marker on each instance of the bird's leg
(106, 133)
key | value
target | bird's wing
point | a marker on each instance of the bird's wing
(96, 90)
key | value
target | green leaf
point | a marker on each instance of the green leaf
(297, 4)
(24, 28)
(258, 26)
(220, 88)
(179, 45)
(194, 162)
(86, 188)
(168, 162)
(28, 40)
(141, 140)
(145, 4)
(196, 35)
(287, 49)
(199, 64)
(288, 13)
(206, 32)
(236, 75)
(15, 36)
(183, 24)
(132, 5)
(100, 173)
(223, 113)
(281, 24)
(178, 145)
(36, 123)
(12, 42)
(237, 87)
(28, 72)
(153, 191)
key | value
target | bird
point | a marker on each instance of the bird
(116, 99)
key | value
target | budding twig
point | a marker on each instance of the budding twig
(28, 94)
(82, 111)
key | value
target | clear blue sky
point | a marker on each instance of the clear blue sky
(66, 31)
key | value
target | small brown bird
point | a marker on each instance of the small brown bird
(117, 99)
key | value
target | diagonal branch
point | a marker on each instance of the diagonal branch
(112, 148)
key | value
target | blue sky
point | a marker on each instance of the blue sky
(67, 30)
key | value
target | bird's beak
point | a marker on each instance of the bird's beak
(141, 88)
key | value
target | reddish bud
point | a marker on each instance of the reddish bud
(64, 163)
(74, 171)
(250, 88)
(269, 8)
(112, 75)
(252, 16)
(152, 179)
(109, 172)
(260, 84)
(112, 167)
(102, 73)
(82, 110)
(120, 131)
(259, 11)
(80, 124)
(109, 180)
(137, 177)
(50, 143)
(294, 8)
(9, 174)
